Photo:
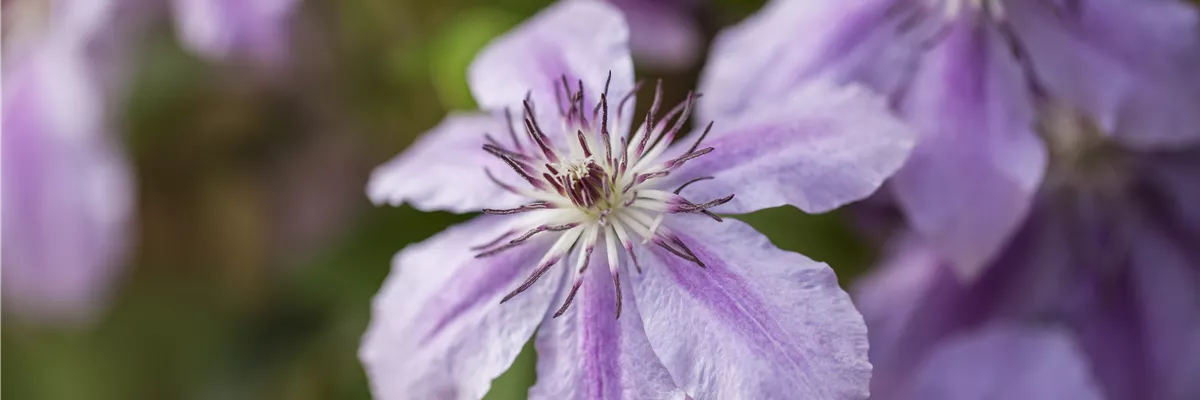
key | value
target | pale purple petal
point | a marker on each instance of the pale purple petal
(81, 20)
(438, 330)
(67, 187)
(1104, 315)
(30, 25)
(788, 43)
(910, 303)
(1130, 64)
(583, 40)
(978, 162)
(914, 301)
(663, 34)
(819, 150)
(445, 169)
(219, 29)
(587, 353)
(757, 323)
(1166, 277)
(909, 284)
(1003, 362)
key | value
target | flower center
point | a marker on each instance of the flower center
(1082, 157)
(585, 183)
(591, 186)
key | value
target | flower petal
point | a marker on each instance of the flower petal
(914, 302)
(1131, 65)
(1169, 288)
(662, 34)
(438, 330)
(1166, 278)
(788, 43)
(587, 353)
(819, 150)
(583, 40)
(444, 169)
(977, 164)
(67, 187)
(757, 323)
(907, 302)
(1002, 361)
(227, 28)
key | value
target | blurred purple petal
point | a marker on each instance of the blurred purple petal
(915, 301)
(757, 323)
(438, 329)
(581, 40)
(1167, 279)
(1137, 308)
(662, 34)
(220, 29)
(910, 284)
(1130, 65)
(788, 44)
(444, 169)
(1003, 362)
(67, 187)
(978, 162)
(819, 150)
(33, 24)
(1117, 269)
(586, 353)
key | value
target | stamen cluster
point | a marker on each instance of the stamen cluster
(591, 184)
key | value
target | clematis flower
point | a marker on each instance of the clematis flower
(1105, 262)
(1053, 169)
(663, 33)
(220, 29)
(605, 239)
(67, 187)
(969, 75)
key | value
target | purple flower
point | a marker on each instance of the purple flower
(66, 185)
(663, 33)
(1055, 169)
(657, 297)
(970, 76)
(219, 29)
(1104, 274)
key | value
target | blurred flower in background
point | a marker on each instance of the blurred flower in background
(951, 69)
(1081, 111)
(1101, 281)
(777, 324)
(664, 33)
(218, 29)
(67, 189)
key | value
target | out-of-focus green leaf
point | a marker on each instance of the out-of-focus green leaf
(456, 45)
(822, 237)
(514, 384)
